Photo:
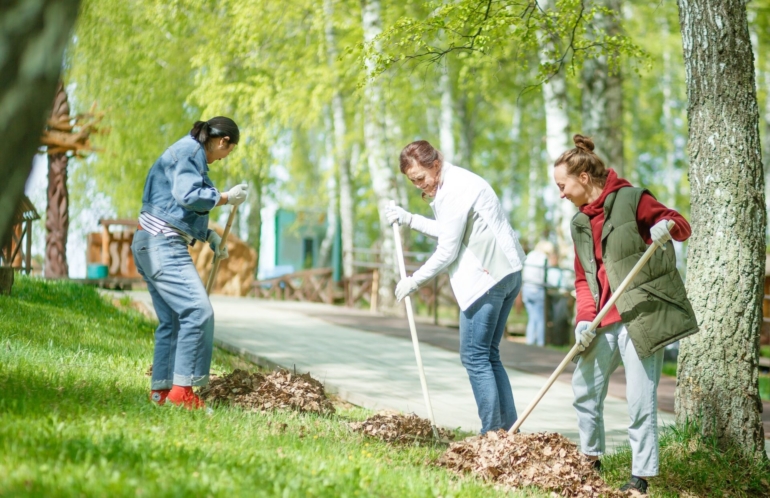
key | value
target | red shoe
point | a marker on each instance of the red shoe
(184, 396)
(158, 396)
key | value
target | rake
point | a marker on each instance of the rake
(594, 324)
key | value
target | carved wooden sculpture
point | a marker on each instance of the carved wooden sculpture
(63, 134)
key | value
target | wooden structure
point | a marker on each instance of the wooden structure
(361, 288)
(17, 252)
(62, 136)
(113, 248)
(315, 285)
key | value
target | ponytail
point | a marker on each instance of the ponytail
(217, 127)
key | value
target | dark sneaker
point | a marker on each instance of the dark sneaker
(597, 465)
(636, 486)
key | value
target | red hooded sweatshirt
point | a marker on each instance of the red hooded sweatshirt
(648, 213)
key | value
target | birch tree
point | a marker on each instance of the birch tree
(382, 177)
(717, 383)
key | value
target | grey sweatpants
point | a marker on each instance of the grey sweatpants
(590, 382)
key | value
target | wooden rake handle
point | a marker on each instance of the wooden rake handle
(594, 324)
(413, 328)
(215, 262)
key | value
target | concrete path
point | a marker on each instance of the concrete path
(379, 372)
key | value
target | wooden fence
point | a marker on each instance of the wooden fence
(360, 289)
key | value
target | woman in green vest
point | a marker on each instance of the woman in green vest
(615, 225)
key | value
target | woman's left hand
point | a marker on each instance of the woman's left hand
(659, 233)
(405, 287)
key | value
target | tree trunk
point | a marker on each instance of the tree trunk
(383, 180)
(602, 97)
(341, 155)
(465, 148)
(557, 141)
(446, 124)
(324, 252)
(57, 217)
(254, 221)
(717, 377)
(671, 172)
(31, 64)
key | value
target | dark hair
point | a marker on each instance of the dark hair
(219, 126)
(583, 159)
(421, 152)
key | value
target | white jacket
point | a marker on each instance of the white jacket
(471, 228)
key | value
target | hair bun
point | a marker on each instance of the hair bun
(584, 143)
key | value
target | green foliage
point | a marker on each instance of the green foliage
(75, 420)
(693, 465)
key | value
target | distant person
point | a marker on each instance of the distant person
(178, 196)
(479, 249)
(616, 224)
(533, 290)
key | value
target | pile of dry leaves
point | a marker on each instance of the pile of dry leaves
(398, 428)
(278, 390)
(548, 461)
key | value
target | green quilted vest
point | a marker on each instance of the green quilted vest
(654, 307)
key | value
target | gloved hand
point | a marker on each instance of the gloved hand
(237, 194)
(215, 242)
(660, 234)
(405, 287)
(398, 214)
(583, 336)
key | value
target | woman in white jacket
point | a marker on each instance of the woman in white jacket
(479, 249)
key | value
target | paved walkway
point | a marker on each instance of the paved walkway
(368, 360)
(378, 371)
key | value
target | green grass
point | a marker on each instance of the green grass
(75, 421)
(691, 465)
(764, 351)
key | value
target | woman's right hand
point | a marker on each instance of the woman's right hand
(398, 214)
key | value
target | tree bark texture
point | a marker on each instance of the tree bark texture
(717, 377)
(57, 218)
(602, 97)
(341, 152)
(33, 36)
(383, 178)
(446, 125)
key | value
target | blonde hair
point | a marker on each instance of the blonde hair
(582, 159)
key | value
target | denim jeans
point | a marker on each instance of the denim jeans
(534, 300)
(184, 339)
(590, 382)
(481, 329)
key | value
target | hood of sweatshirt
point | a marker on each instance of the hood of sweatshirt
(614, 182)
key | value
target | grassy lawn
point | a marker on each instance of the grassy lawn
(75, 421)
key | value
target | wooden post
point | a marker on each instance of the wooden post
(105, 245)
(6, 280)
(28, 251)
(375, 290)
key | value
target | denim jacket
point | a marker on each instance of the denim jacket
(178, 189)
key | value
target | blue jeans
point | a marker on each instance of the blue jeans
(184, 339)
(534, 300)
(481, 329)
(590, 382)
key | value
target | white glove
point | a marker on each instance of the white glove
(398, 214)
(405, 287)
(660, 234)
(215, 242)
(583, 336)
(237, 194)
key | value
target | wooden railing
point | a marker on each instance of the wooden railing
(315, 285)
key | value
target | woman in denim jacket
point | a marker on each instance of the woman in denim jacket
(177, 198)
(479, 249)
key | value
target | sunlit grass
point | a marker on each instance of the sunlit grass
(75, 421)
